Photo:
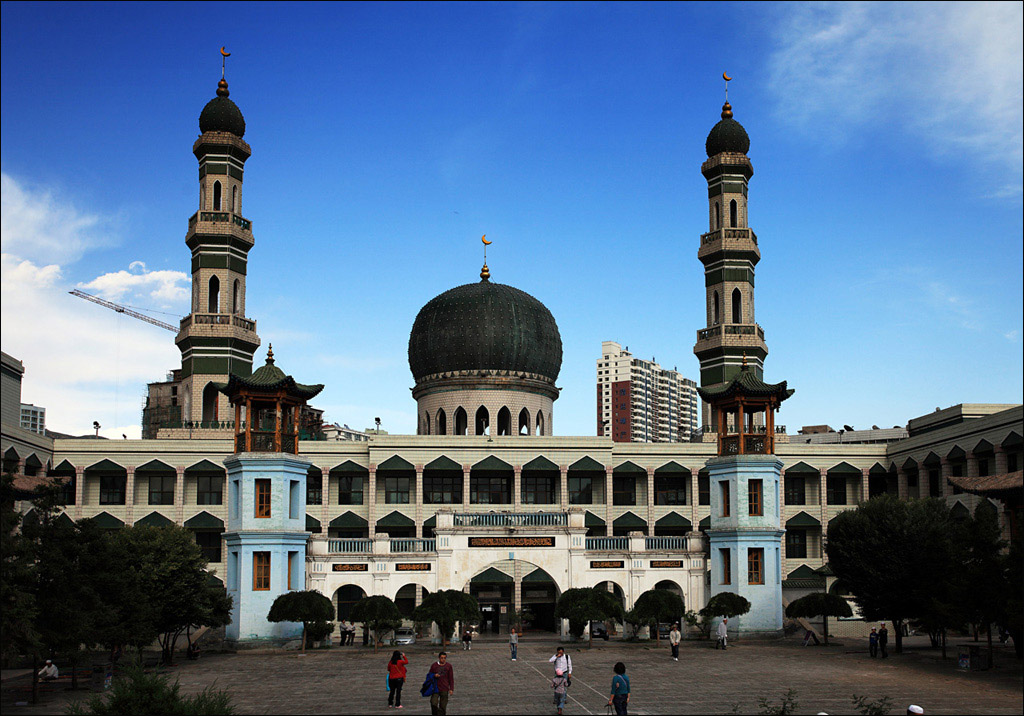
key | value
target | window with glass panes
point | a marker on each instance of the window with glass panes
(210, 489)
(442, 489)
(161, 489)
(112, 489)
(260, 571)
(755, 498)
(209, 542)
(703, 489)
(725, 507)
(670, 489)
(262, 498)
(623, 490)
(350, 490)
(315, 487)
(489, 490)
(755, 565)
(725, 557)
(796, 544)
(934, 484)
(581, 490)
(795, 490)
(396, 490)
(835, 489)
(66, 491)
(538, 489)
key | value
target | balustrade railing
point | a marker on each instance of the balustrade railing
(665, 544)
(220, 217)
(198, 424)
(607, 544)
(413, 545)
(727, 234)
(510, 519)
(350, 546)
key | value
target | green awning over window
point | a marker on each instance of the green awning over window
(106, 466)
(588, 464)
(802, 467)
(540, 463)
(64, 520)
(395, 519)
(672, 467)
(213, 581)
(802, 572)
(802, 519)
(443, 463)
(350, 521)
(493, 464)
(64, 466)
(313, 524)
(349, 468)
(491, 575)
(155, 519)
(396, 463)
(629, 468)
(205, 466)
(674, 519)
(704, 524)
(106, 521)
(803, 577)
(592, 520)
(204, 521)
(629, 520)
(430, 521)
(844, 468)
(538, 575)
(155, 466)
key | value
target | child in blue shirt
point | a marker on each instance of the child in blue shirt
(620, 690)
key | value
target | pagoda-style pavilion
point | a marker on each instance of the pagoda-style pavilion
(743, 413)
(267, 408)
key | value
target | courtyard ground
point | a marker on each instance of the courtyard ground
(351, 679)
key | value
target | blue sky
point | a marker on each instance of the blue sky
(886, 144)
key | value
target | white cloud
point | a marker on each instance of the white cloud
(950, 73)
(166, 287)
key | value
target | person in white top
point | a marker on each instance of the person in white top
(49, 672)
(722, 633)
(674, 637)
(562, 662)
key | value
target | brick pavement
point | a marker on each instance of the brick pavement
(351, 680)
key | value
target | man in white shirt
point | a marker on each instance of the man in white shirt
(562, 662)
(49, 672)
(674, 637)
(722, 633)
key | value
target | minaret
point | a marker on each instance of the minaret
(216, 339)
(729, 253)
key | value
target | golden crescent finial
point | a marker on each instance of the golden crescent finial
(223, 53)
(726, 77)
(486, 242)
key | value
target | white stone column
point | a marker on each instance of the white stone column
(865, 479)
(563, 490)
(1000, 453)
(517, 487)
(419, 505)
(79, 491)
(650, 501)
(946, 472)
(822, 497)
(129, 497)
(902, 490)
(325, 501)
(608, 499)
(466, 469)
(694, 496)
(371, 501)
(179, 497)
(972, 465)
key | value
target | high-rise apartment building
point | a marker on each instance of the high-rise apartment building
(639, 401)
(33, 418)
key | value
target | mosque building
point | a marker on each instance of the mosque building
(485, 497)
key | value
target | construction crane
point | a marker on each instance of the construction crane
(123, 309)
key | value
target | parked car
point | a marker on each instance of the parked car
(663, 630)
(599, 630)
(404, 637)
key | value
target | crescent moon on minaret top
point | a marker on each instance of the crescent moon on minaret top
(223, 53)
(486, 242)
(726, 77)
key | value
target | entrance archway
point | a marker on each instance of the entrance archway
(344, 598)
(405, 599)
(495, 590)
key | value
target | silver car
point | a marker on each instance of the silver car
(404, 637)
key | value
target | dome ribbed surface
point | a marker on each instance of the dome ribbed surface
(727, 136)
(485, 326)
(222, 115)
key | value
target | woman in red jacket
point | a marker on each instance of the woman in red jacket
(396, 679)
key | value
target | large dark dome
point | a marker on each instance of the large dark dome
(727, 136)
(485, 326)
(221, 114)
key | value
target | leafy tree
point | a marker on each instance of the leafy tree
(18, 608)
(1013, 570)
(301, 606)
(872, 707)
(819, 603)
(725, 604)
(701, 622)
(136, 692)
(378, 614)
(892, 555)
(583, 605)
(658, 605)
(445, 608)
(318, 631)
(985, 589)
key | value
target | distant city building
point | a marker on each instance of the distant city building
(33, 418)
(824, 435)
(639, 401)
(344, 432)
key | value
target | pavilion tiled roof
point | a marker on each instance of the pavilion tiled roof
(748, 384)
(268, 379)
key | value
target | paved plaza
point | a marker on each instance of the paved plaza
(351, 679)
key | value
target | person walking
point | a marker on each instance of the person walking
(620, 690)
(396, 678)
(873, 643)
(883, 641)
(467, 639)
(674, 637)
(722, 633)
(563, 663)
(444, 677)
(559, 684)
(513, 643)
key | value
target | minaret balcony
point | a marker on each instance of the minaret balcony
(738, 240)
(731, 334)
(217, 319)
(218, 219)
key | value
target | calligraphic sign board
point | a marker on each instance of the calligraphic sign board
(413, 567)
(350, 567)
(607, 564)
(666, 564)
(511, 541)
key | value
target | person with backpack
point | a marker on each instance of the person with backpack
(559, 684)
(620, 690)
(396, 679)
(562, 662)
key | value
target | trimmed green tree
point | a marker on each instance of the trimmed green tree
(725, 604)
(378, 614)
(138, 692)
(445, 609)
(301, 606)
(658, 605)
(582, 605)
(819, 603)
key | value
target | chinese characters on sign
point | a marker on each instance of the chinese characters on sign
(511, 541)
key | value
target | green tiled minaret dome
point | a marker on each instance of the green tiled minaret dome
(221, 114)
(727, 136)
(485, 326)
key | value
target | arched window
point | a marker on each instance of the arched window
(216, 196)
(426, 423)
(540, 422)
(483, 421)
(714, 310)
(524, 422)
(442, 422)
(504, 421)
(234, 199)
(733, 214)
(718, 217)
(461, 421)
(202, 197)
(235, 291)
(210, 394)
(214, 299)
(737, 306)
